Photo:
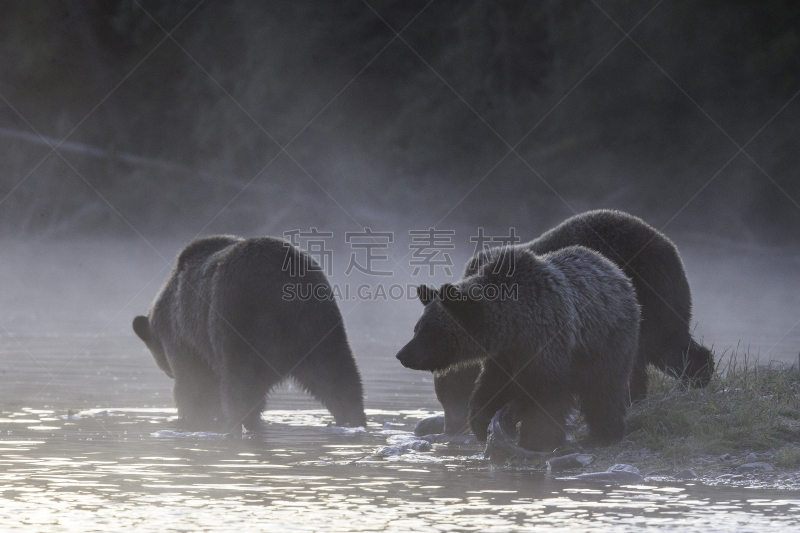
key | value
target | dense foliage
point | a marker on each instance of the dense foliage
(380, 124)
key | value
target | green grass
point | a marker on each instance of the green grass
(788, 457)
(744, 407)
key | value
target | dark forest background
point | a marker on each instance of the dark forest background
(178, 133)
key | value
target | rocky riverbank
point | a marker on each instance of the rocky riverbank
(742, 430)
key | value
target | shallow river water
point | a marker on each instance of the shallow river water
(106, 470)
(88, 440)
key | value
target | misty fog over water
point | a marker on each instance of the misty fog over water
(129, 128)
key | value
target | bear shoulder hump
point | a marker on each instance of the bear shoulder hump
(200, 249)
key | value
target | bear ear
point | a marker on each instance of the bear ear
(455, 300)
(141, 326)
(426, 294)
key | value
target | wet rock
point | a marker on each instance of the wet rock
(567, 449)
(171, 434)
(345, 430)
(725, 457)
(617, 475)
(444, 438)
(751, 458)
(686, 474)
(405, 447)
(661, 472)
(400, 438)
(501, 443)
(429, 426)
(730, 477)
(464, 438)
(624, 468)
(756, 467)
(569, 462)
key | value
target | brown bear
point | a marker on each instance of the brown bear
(545, 329)
(652, 262)
(229, 325)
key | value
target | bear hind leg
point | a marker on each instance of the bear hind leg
(329, 373)
(604, 405)
(244, 397)
(638, 382)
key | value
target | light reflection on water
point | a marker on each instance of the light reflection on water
(108, 469)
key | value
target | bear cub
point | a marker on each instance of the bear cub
(224, 329)
(545, 329)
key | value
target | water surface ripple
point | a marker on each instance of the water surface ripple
(111, 469)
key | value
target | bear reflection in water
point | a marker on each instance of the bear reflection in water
(225, 330)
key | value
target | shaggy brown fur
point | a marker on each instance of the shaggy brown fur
(224, 329)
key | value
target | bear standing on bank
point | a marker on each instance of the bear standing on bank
(653, 264)
(224, 329)
(567, 325)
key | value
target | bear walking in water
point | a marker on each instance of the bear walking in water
(654, 266)
(544, 329)
(227, 330)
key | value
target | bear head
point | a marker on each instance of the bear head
(444, 334)
(694, 367)
(461, 322)
(143, 329)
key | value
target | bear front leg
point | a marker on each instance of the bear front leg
(492, 391)
(453, 390)
(197, 394)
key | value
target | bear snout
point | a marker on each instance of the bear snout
(409, 357)
(402, 356)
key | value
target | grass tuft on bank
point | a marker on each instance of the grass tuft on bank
(746, 407)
